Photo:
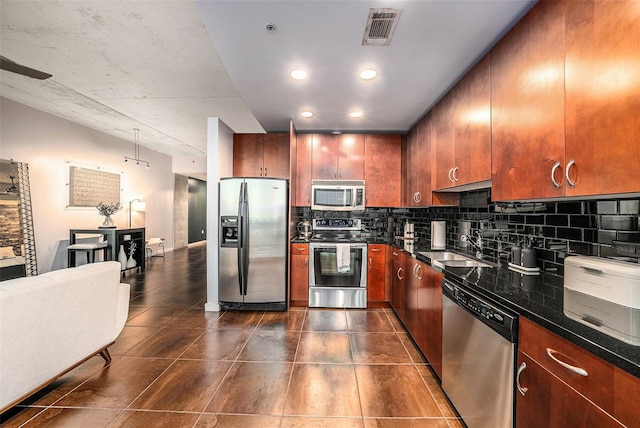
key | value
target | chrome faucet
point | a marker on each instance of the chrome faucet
(477, 244)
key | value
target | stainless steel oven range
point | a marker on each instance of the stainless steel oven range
(337, 265)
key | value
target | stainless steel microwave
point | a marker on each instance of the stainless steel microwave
(337, 195)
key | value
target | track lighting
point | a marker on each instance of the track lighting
(136, 133)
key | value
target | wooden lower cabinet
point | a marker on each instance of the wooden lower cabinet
(299, 283)
(549, 402)
(429, 332)
(557, 396)
(416, 297)
(376, 273)
(397, 282)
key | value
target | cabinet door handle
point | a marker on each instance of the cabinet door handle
(571, 184)
(553, 175)
(376, 250)
(370, 262)
(418, 272)
(265, 171)
(306, 260)
(450, 175)
(300, 249)
(521, 390)
(577, 370)
(260, 172)
(335, 173)
(415, 197)
(340, 173)
(456, 174)
(398, 274)
(419, 195)
(395, 254)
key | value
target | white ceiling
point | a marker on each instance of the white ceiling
(165, 66)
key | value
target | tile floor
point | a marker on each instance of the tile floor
(175, 365)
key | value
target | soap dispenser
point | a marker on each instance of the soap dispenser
(516, 254)
(529, 255)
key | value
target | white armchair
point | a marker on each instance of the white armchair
(154, 247)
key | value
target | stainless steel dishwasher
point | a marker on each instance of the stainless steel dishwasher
(478, 357)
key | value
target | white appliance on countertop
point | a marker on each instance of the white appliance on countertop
(604, 294)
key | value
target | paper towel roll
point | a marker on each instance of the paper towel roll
(438, 235)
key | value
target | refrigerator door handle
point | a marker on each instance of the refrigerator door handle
(245, 239)
(240, 240)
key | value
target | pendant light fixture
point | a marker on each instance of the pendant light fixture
(136, 159)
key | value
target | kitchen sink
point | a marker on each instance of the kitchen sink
(451, 259)
(464, 263)
(443, 255)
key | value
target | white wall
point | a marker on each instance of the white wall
(219, 164)
(47, 143)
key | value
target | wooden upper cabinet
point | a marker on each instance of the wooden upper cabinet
(324, 157)
(351, 157)
(418, 164)
(261, 155)
(276, 155)
(338, 157)
(472, 124)
(602, 97)
(382, 170)
(444, 135)
(304, 148)
(527, 96)
(247, 155)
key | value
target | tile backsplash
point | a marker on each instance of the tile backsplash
(558, 228)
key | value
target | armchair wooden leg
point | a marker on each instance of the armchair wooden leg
(107, 357)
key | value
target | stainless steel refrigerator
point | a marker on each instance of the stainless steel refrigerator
(253, 243)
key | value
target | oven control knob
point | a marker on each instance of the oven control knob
(350, 223)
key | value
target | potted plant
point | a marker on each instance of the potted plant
(107, 210)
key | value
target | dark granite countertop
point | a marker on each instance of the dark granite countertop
(540, 299)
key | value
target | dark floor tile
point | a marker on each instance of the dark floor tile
(238, 421)
(378, 348)
(320, 422)
(368, 321)
(135, 310)
(323, 390)
(267, 345)
(130, 337)
(194, 318)
(118, 385)
(324, 347)
(157, 316)
(187, 385)
(166, 343)
(325, 320)
(72, 418)
(436, 391)
(237, 320)
(218, 345)
(144, 419)
(411, 348)
(253, 388)
(394, 391)
(406, 423)
(282, 321)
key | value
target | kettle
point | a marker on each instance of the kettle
(304, 229)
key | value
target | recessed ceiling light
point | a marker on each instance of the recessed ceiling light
(298, 74)
(307, 114)
(355, 114)
(368, 74)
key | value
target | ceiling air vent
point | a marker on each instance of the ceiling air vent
(381, 24)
